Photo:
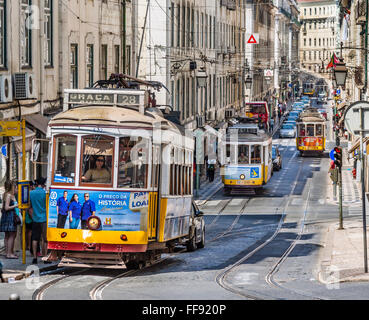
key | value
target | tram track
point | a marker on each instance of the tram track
(269, 278)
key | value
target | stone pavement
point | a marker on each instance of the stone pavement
(14, 269)
(342, 258)
(208, 189)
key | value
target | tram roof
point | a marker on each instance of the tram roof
(113, 117)
(310, 115)
(251, 138)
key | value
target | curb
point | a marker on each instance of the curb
(208, 197)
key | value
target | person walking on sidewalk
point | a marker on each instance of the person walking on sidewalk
(7, 223)
(38, 215)
(211, 171)
(334, 177)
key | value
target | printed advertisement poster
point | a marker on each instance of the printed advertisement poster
(234, 173)
(118, 211)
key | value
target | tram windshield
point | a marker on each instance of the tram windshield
(310, 130)
(319, 130)
(243, 155)
(65, 159)
(97, 159)
(133, 162)
(255, 154)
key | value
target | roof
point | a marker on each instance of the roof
(110, 116)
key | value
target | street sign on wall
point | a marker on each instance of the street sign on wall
(10, 129)
(252, 38)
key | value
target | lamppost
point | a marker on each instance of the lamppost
(201, 77)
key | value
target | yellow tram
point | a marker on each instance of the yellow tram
(311, 132)
(248, 158)
(112, 148)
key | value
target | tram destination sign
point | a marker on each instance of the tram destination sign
(104, 98)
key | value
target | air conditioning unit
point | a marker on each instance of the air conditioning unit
(24, 86)
(6, 88)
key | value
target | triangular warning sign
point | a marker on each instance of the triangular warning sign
(252, 39)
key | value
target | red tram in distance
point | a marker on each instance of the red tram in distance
(258, 110)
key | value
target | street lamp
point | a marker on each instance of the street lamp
(340, 74)
(201, 77)
(248, 82)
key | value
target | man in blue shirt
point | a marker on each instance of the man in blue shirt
(62, 210)
(38, 215)
(88, 210)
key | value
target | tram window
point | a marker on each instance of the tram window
(319, 130)
(255, 154)
(97, 159)
(65, 159)
(133, 162)
(302, 130)
(243, 155)
(310, 130)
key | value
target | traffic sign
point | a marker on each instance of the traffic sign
(252, 38)
(10, 129)
(331, 155)
(338, 91)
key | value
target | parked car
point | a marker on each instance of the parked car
(276, 158)
(287, 131)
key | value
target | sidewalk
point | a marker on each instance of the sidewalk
(14, 269)
(342, 259)
(208, 189)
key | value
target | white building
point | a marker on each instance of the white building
(180, 38)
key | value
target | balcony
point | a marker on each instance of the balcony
(360, 12)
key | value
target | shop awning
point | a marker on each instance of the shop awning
(356, 144)
(18, 141)
(38, 121)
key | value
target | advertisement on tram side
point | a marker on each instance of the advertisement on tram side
(117, 211)
(311, 143)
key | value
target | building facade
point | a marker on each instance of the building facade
(179, 39)
(56, 45)
(319, 38)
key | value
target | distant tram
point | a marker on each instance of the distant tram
(133, 168)
(311, 132)
(258, 111)
(309, 89)
(248, 158)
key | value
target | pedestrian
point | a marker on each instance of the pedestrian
(8, 223)
(1, 272)
(62, 210)
(334, 177)
(38, 216)
(88, 210)
(211, 170)
(74, 211)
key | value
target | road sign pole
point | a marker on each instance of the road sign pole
(363, 189)
(340, 198)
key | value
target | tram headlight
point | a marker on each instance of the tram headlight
(242, 177)
(63, 235)
(93, 223)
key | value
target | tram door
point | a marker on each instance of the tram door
(154, 196)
